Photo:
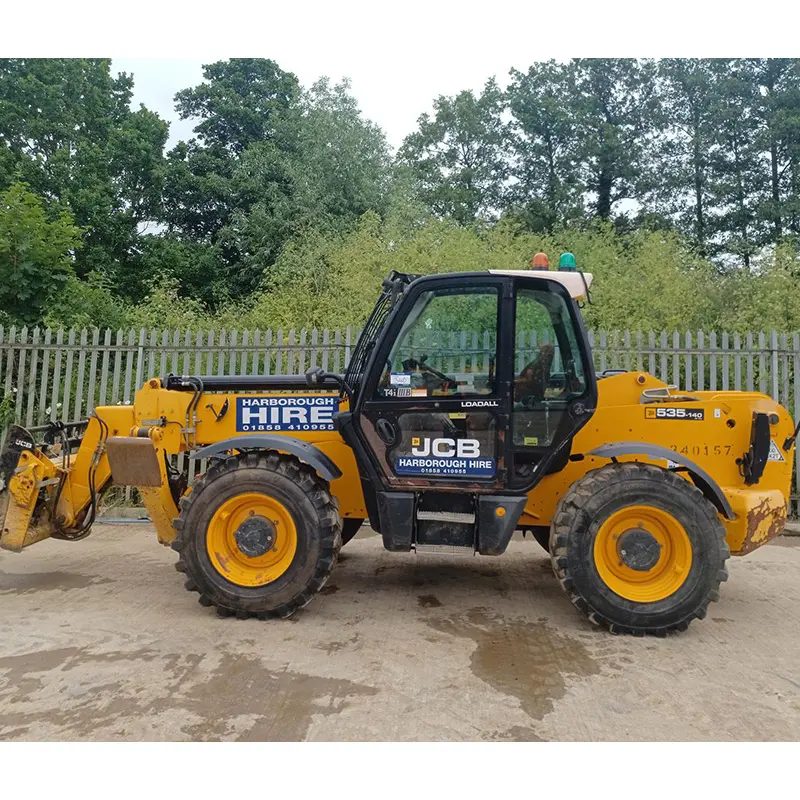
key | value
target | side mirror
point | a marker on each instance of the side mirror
(315, 376)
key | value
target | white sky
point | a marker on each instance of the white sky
(387, 96)
(155, 81)
(393, 86)
(398, 55)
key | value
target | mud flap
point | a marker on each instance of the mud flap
(133, 461)
(136, 461)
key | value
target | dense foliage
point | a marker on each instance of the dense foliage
(677, 182)
(35, 262)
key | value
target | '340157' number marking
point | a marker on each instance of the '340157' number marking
(702, 449)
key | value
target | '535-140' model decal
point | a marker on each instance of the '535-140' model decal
(675, 413)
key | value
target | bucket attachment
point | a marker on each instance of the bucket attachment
(23, 471)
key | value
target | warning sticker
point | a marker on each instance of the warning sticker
(670, 412)
(400, 379)
(774, 453)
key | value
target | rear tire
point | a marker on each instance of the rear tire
(675, 556)
(273, 580)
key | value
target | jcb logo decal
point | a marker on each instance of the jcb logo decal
(446, 448)
(445, 457)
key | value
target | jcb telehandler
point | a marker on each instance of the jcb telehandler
(469, 409)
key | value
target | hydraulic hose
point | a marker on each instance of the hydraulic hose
(82, 531)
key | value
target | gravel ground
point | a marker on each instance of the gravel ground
(99, 640)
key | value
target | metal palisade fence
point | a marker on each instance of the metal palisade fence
(63, 374)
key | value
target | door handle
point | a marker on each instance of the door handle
(386, 431)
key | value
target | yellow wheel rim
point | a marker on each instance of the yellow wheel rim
(251, 539)
(642, 553)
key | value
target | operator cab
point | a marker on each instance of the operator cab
(466, 389)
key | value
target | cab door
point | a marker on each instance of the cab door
(434, 409)
(554, 388)
(477, 385)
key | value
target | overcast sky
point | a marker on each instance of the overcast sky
(392, 97)
(399, 55)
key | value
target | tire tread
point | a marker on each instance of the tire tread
(315, 488)
(571, 504)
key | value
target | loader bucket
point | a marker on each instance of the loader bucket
(19, 490)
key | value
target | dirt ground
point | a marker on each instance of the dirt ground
(99, 640)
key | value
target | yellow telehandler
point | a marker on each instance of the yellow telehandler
(469, 409)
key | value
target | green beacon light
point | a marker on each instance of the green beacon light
(567, 262)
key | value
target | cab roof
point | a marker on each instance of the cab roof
(576, 283)
(573, 282)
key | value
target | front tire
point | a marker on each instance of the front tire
(258, 535)
(638, 549)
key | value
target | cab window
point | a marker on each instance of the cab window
(548, 368)
(447, 346)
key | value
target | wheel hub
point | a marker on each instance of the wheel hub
(255, 537)
(638, 549)
(642, 553)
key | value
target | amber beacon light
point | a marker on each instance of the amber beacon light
(540, 261)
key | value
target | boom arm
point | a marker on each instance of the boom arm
(44, 493)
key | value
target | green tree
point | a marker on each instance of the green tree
(269, 161)
(242, 101)
(544, 145)
(739, 179)
(36, 254)
(766, 296)
(193, 267)
(87, 303)
(778, 110)
(788, 123)
(687, 93)
(613, 102)
(459, 155)
(336, 170)
(345, 156)
(67, 129)
(643, 279)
